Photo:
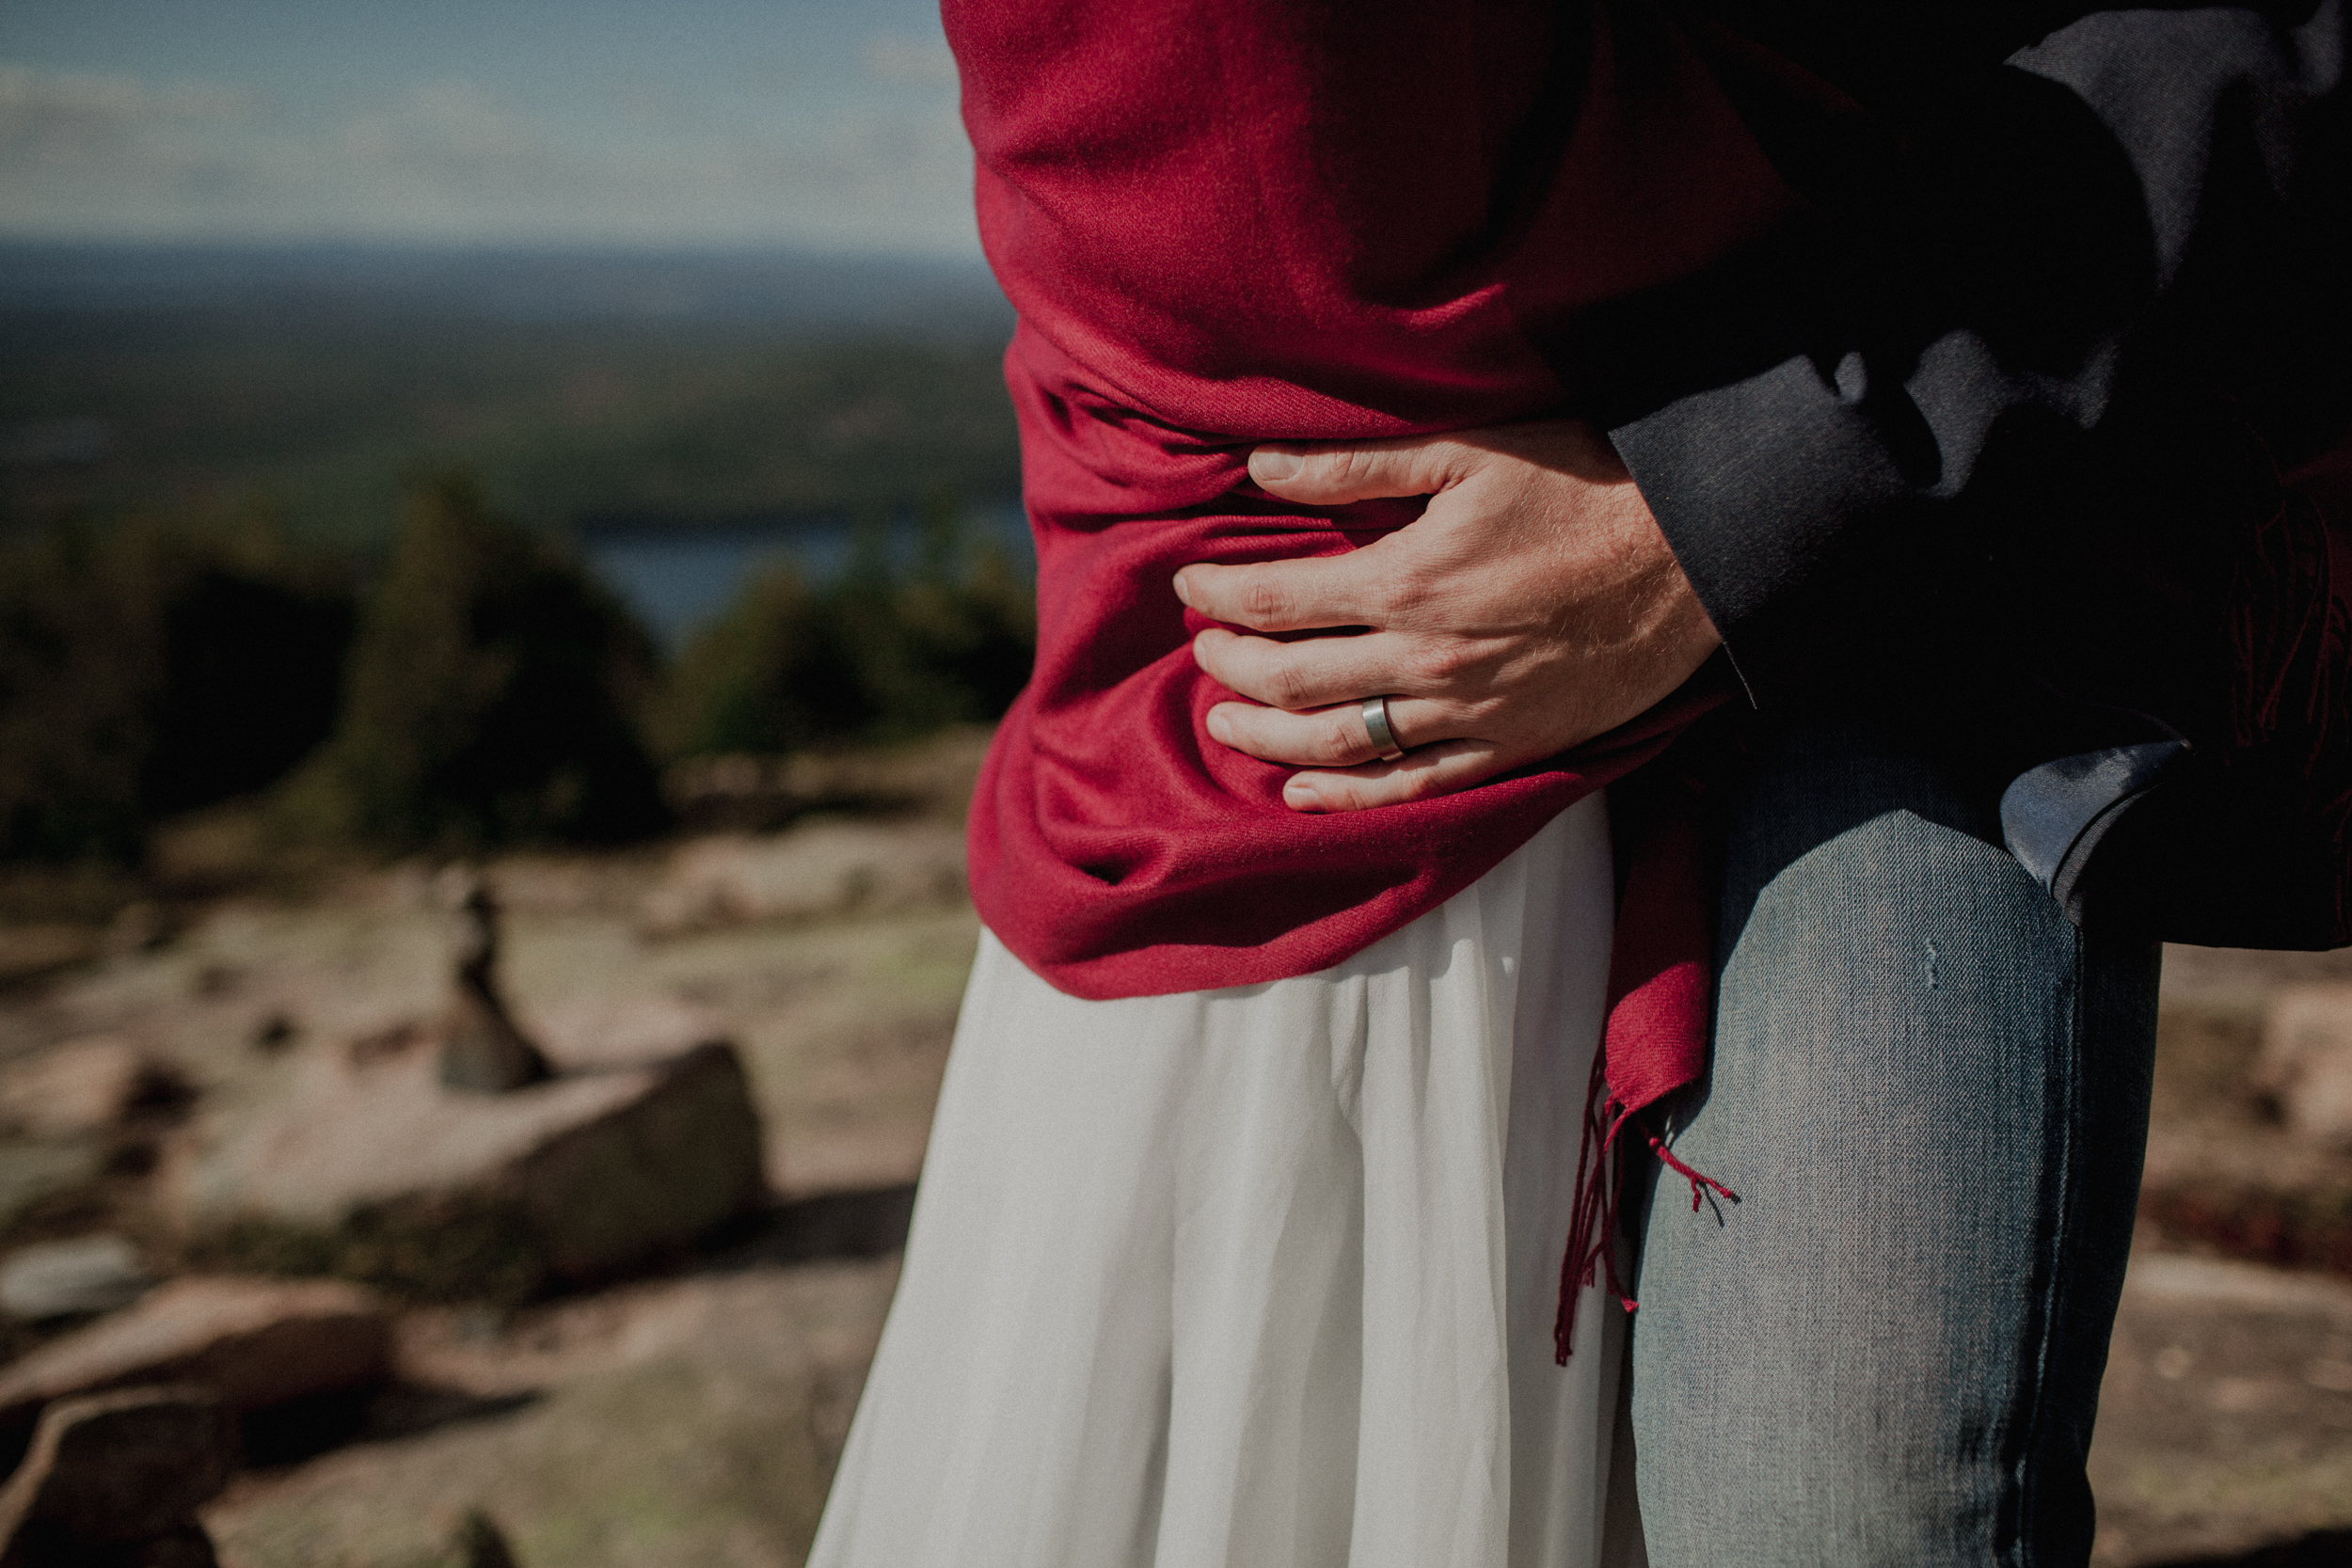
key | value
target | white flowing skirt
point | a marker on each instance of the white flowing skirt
(1263, 1275)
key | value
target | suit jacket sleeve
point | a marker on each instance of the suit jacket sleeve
(2141, 200)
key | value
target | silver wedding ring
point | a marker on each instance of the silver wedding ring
(1376, 729)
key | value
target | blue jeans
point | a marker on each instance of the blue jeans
(1930, 1092)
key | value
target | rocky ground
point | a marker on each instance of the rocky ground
(2224, 1431)
(685, 1407)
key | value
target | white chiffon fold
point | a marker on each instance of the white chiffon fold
(1263, 1275)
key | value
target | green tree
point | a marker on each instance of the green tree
(154, 667)
(777, 672)
(490, 696)
(877, 656)
(254, 633)
(79, 670)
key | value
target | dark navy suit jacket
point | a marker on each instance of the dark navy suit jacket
(2076, 286)
(2050, 246)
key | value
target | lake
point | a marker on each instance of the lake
(679, 580)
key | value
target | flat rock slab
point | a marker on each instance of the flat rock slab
(2252, 1191)
(56, 1279)
(690, 1423)
(109, 1469)
(810, 872)
(2225, 1421)
(586, 1173)
(2220, 1430)
(35, 1171)
(2223, 1170)
(253, 1343)
(2306, 1061)
(81, 1087)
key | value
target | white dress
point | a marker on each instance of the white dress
(1258, 1277)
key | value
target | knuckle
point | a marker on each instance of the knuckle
(1286, 688)
(1413, 782)
(1262, 602)
(1490, 714)
(1335, 469)
(1343, 741)
(1439, 664)
(1346, 793)
(1398, 599)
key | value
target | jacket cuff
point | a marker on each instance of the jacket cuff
(1765, 489)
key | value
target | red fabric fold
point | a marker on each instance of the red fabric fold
(1225, 222)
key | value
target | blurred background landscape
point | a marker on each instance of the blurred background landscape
(510, 551)
(725, 502)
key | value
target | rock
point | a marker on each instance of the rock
(2306, 1061)
(2221, 1170)
(481, 1051)
(2251, 1191)
(391, 1176)
(820, 869)
(621, 1031)
(478, 1543)
(84, 1087)
(688, 1422)
(933, 777)
(138, 927)
(187, 1548)
(253, 1343)
(56, 1279)
(32, 1173)
(29, 953)
(2225, 1419)
(116, 1469)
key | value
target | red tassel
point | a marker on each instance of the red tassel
(1592, 1213)
(1592, 1252)
(1697, 1181)
(1659, 1005)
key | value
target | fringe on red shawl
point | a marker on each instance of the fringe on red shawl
(1654, 1040)
(1600, 1175)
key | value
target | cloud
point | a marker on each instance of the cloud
(454, 160)
(65, 116)
(455, 121)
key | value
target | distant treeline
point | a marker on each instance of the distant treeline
(477, 687)
(325, 414)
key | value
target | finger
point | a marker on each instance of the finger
(1295, 676)
(1329, 737)
(1433, 770)
(1364, 470)
(1289, 596)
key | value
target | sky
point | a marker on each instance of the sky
(802, 124)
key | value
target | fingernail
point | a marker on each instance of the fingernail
(1270, 463)
(1220, 727)
(1301, 795)
(1180, 591)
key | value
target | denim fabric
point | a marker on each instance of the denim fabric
(1930, 1092)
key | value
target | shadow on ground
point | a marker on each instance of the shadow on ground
(304, 1428)
(864, 1224)
(2327, 1548)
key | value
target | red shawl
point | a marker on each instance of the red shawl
(1225, 222)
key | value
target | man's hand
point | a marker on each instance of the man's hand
(1533, 605)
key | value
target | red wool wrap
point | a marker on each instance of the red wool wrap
(1227, 222)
